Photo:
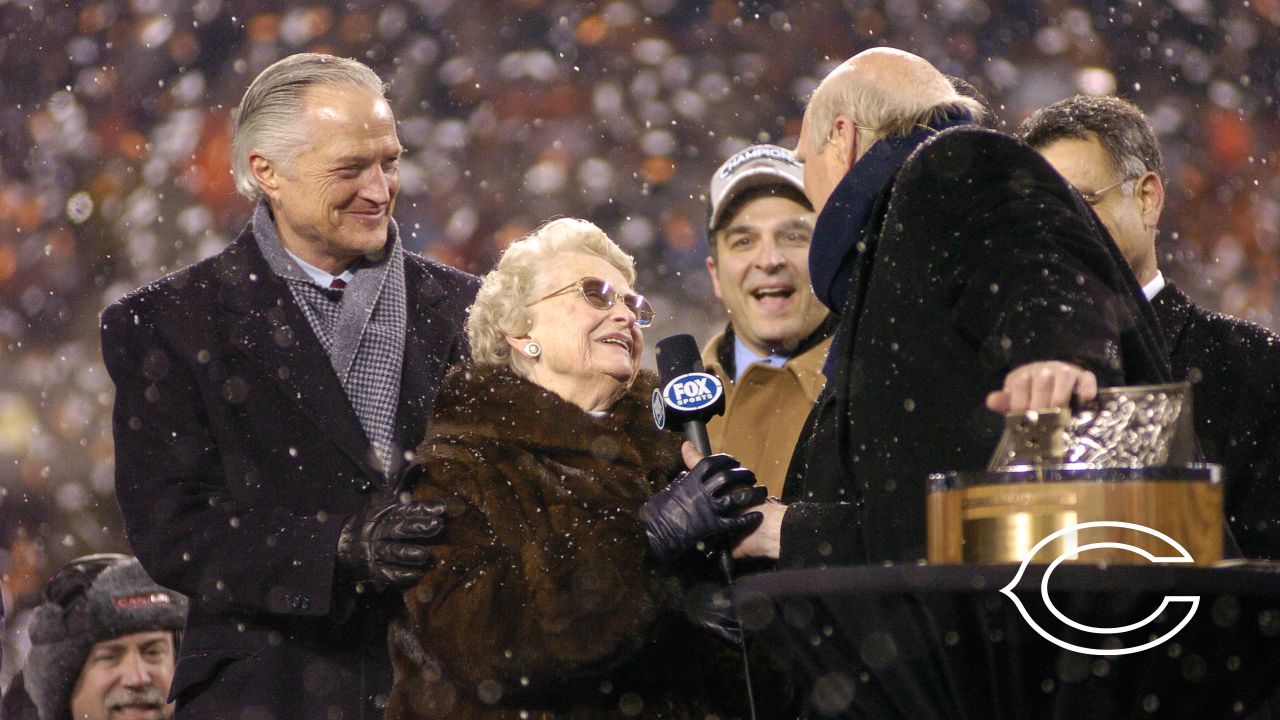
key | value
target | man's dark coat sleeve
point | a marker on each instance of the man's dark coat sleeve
(175, 494)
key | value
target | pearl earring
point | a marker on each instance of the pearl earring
(532, 349)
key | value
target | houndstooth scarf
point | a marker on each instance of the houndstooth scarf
(361, 327)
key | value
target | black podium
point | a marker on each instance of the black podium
(924, 642)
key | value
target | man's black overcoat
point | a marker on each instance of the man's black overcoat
(979, 258)
(1235, 370)
(238, 458)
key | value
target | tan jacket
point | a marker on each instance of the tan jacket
(765, 410)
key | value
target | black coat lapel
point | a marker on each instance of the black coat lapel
(863, 263)
(428, 351)
(266, 324)
(1173, 311)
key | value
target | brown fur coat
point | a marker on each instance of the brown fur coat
(543, 603)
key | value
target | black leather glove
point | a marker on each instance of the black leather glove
(699, 505)
(386, 544)
(710, 607)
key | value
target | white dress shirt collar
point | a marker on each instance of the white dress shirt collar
(1154, 287)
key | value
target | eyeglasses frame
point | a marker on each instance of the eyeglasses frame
(1094, 198)
(612, 298)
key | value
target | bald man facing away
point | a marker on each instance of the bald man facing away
(968, 277)
(1105, 147)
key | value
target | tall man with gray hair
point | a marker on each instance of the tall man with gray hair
(1105, 147)
(968, 279)
(268, 398)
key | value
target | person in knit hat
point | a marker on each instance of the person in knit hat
(103, 645)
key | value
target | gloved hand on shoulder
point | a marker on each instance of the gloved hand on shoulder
(388, 543)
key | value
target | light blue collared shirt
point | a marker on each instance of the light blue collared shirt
(743, 357)
(321, 278)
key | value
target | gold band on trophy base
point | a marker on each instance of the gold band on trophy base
(998, 517)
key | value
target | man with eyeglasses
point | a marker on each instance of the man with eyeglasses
(1105, 147)
(771, 353)
(103, 646)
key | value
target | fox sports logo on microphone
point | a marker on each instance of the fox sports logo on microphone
(692, 391)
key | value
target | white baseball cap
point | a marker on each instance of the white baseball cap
(755, 166)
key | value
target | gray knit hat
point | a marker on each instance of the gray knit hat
(91, 599)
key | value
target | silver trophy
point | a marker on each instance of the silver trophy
(1124, 426)
(1128, 456)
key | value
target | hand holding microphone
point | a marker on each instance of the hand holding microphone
(699, 505)
(706, 501)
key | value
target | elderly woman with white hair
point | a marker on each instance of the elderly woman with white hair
(555, 593)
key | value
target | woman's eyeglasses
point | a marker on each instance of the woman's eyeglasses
(601, 296)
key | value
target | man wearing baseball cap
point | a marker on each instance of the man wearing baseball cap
(103, 644)
(770, 356)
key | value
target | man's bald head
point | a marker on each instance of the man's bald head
(886, 92)
(897, 72)
(878, 93)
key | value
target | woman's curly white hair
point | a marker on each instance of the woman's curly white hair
(500, 308)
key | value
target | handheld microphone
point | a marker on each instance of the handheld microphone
(689, 396)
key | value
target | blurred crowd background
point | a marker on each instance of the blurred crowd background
(116, 119)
